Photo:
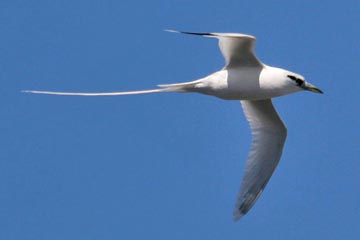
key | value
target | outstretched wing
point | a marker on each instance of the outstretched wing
(237, 49)
(269, 134)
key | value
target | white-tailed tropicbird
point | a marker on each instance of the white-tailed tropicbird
(247, 79)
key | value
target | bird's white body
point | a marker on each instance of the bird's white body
(239, 84)
(247, 79)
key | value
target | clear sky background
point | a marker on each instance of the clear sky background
(169, 166)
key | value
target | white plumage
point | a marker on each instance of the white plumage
(246, 79)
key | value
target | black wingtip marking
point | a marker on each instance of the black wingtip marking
(192, 33)
(198, 33)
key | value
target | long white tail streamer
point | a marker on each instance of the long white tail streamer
(89, 94)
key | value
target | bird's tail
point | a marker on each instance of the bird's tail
(177, 87)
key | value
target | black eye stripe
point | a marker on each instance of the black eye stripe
(297, 80)
(292, 77)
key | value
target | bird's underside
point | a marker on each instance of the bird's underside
(268, 131)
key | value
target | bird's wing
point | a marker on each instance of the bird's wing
(237, 49)
(268, 138)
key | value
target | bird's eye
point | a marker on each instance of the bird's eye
(298, 81)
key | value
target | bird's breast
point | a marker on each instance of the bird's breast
(233, 84)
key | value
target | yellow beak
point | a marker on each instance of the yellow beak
(312, 88)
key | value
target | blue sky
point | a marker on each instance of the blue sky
(169, 166)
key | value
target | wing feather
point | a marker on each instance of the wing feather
(237, 48)
(268, 138)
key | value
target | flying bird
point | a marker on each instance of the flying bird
(244, 77)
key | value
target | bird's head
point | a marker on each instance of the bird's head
(299, 81)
